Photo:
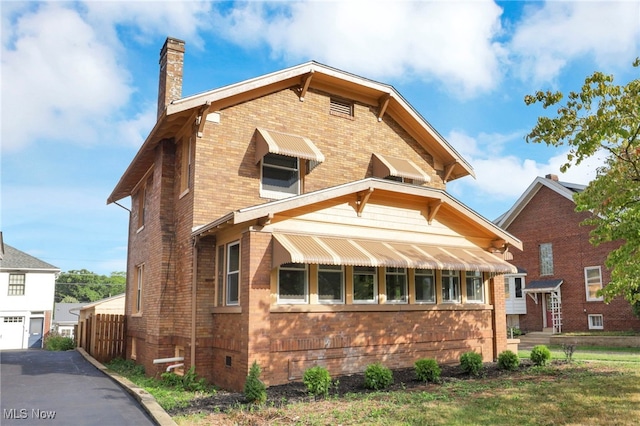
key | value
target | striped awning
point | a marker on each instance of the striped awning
(268, 141)
(384, 166)
(294, 248)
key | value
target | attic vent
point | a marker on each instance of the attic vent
(341, 107)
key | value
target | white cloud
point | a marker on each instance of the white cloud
(453, 43)
(553, 34)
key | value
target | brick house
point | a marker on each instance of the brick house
(563, 270)
(301, 218)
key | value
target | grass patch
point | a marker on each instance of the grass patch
(168, 394)
(590, 353)
(602, 333)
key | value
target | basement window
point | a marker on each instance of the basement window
(596, 322)
(340, 107)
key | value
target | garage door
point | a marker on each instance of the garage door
(11, 332)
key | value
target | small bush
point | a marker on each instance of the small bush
(508, 360)
(427, 370)
(540, 354)
(255, 390)
(377, 376)
(55, 342)
(317, 380)
(471, 363)
(568, 351)
(126, 367)
(188, 382)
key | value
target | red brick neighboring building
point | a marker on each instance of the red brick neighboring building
(297, 219)
(563, 269)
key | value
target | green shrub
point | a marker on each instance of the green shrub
(471, 363)
(55, 342)
(126, 367)
(188, 382)
(255, 390)
(317, 380)
(507, 360)
(540, 354)
(377, 376)
(427, 370)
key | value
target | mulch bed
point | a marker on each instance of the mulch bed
(403, 379)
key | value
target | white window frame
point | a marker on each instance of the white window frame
(232, 273)
(596, 321)
(586, 283)
(375, 287)
(397, 272)
(470, 278)
(139, 287)
(17, 285)
(332, 269)
(272, 194)
(299, 267)
(546, 259)
(454, 280)
(429, 273)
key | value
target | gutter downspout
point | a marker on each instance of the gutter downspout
(196, 242)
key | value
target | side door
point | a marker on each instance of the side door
(35, 332)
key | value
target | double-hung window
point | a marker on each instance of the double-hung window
(475, 287)
(593, 282)
(365, 284)
(280, 176)
(233, 273)
(596, 322)
(330, 284)
(450, 286)
(139, 287)
(396, 284)
(293, 286)
(425, 286)
(16, 284)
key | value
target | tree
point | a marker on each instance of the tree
(603, 118)
(85, 286)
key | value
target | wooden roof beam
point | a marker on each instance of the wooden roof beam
(383, 103)
(306, 82)
(432, 210)
(448, 170)
(362, 199)
(202, 118)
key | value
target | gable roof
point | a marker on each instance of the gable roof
(443, 204)
(310, 74)
(62, 312)
(565, 189)
(15, 259)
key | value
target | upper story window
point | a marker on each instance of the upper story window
(233, 273)
(365, 284)
(593, 282)
(518, 287)
(341, 107)
(142, 206)
(280, 176)
(475, 287)
(546, 259)
(396, 283)
(186, 172)
(450, 286)
(293, 286)
(331, 284)
(398, 169)
(425, 286)
(16, 284)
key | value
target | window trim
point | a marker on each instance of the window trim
(375, 287)
(545, 252)
(592, 325)
(277, 195)
(229, 273)
(417, 274)
(303, 301)
(404, 274)
(186, 174)
(17, 288)
(455, 274)
(473, 276)
(139, 288)
(586, 283)
(342, 284)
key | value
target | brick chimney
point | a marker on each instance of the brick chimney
(552, 177)
(171, 64)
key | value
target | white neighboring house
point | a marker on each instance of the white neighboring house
(27, 288)
(514, 297)
(65, 318)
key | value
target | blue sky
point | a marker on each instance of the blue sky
(79, 90)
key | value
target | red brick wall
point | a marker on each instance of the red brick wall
(551, 218)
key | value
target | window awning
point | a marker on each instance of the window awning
(544, 286)
(268, 141)
(384, 166)
(293, 248)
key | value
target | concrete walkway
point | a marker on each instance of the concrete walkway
(531, 339)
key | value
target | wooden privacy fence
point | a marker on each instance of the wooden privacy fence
(102, 336)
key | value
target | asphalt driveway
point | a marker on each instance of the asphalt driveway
(62, 388)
